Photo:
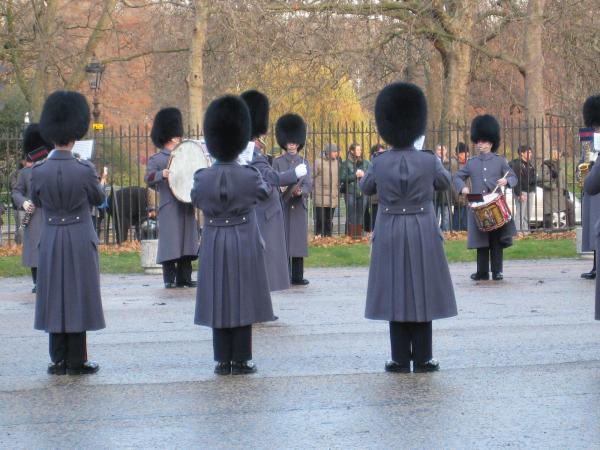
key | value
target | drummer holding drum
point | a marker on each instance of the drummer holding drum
(489, 173)
(178, 239)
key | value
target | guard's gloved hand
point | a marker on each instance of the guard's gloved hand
(301, 170)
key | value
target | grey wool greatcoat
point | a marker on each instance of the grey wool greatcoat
(68, 279)
(295, 209)
(484, 170)
(409, 279)
(591, 187)
(233, 290)
(270, 222)
(590, 215)
(31, 234)
(177, 225)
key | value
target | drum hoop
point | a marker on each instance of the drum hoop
(171, 156)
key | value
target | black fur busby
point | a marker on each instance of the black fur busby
(486, 128)
(401, 114)
(258, 105)
(168, 124)
(227, 127)
(65, 117)
(290, 129)
(35, 148)
(591, 111)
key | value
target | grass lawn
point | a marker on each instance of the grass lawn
(456, 251)
(335, 256)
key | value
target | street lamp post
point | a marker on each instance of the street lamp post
(94, 72)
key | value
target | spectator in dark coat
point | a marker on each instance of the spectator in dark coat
(461, 205)
(68, 299)
(373, 202)
(233, 289)
(526, 183)
(409, 279)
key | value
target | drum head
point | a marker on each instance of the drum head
(186, 159)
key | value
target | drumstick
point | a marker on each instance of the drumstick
(497, 186)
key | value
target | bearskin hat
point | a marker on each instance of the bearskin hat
(227, 127)
(290, 129)
(168, 123)
(65, 117)
(486, 128)
(591, 111)
(35, 147)
(258, 104)
(401, 114)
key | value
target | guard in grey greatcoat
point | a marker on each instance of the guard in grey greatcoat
(590, 211)
(35, 149)
(592, 188)
(409, 280)
(177, 226)
(290, 131)
(68, 299)
(269, 212)
(233, 290)
(486, 170)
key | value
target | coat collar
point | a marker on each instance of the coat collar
(60, 154)
(486, 156)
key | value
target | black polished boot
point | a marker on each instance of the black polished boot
(394, 367)
(223, 368)
(242, 367)
(497, 276)
(430, 366)
(477, 276)
(87, 368)
(59, 368)
(591, 275)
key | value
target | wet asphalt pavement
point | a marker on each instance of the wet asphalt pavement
(520, 369)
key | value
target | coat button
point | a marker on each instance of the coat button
(403, 209)
(243, 218)
(485, 179)
(49, 220)
(292, 207)
(387, 209)
(62, 220)
(210, 221)
(485, 168)
(421, 209)
(77, 218)
(226, 221)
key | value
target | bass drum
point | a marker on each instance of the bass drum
(186, 159)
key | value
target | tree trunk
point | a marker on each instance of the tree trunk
(195, 78)
(456, 83)
(45, 30)
(534, 63)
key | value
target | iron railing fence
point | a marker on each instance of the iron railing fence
(554, 203)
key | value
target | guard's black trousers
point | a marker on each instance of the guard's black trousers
(232, 344)
(178, 271)
(297, 269)
(411, 340)
(494, 253)
(68, 347)
(34, 275)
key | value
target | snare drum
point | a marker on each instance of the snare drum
(185, 159)
(492, 213)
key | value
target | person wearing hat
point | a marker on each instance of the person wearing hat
(64, 188)
(268, 211)
(527, 182)
(233, 289)
(326, 176)
(290, 132)
(486, 170)
(409, 280)
(590, 214)
(177, 226)
(459, 215)
(35, 149)
(591, 187)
